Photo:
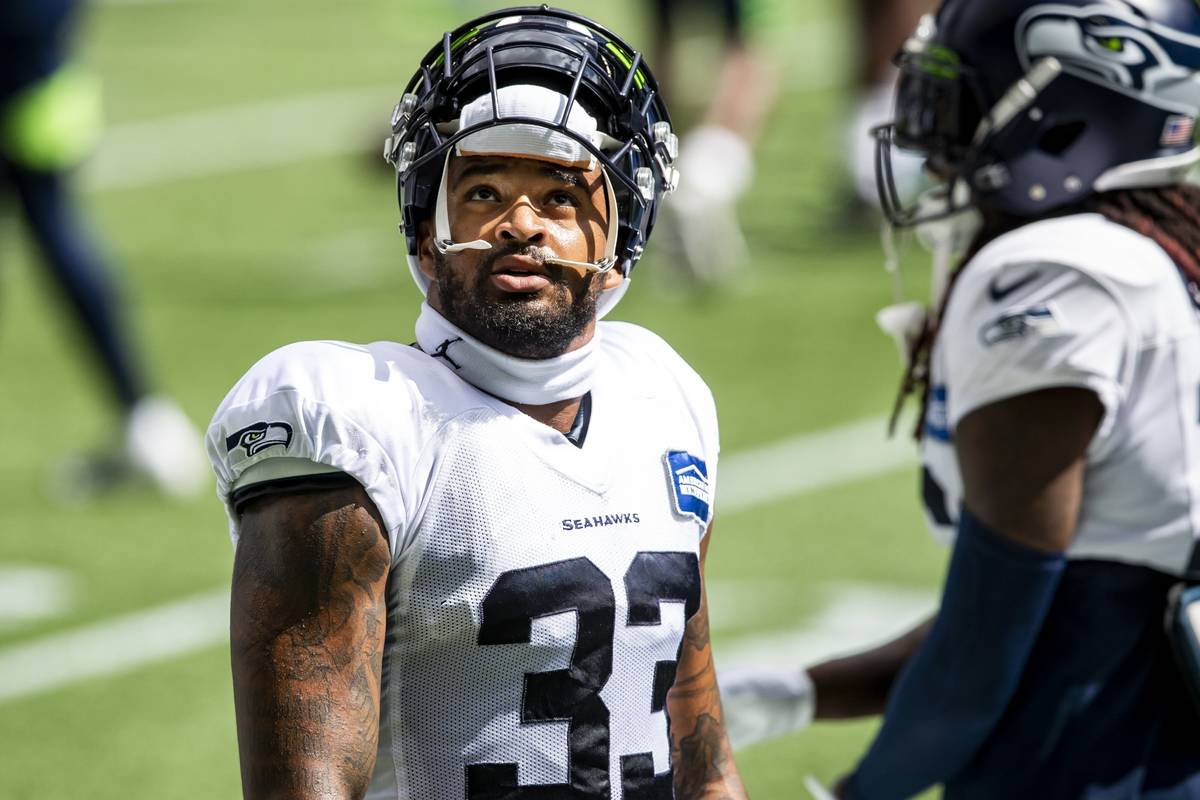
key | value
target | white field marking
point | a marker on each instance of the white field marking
(286, 131)
(734, 605)
(29, 593)
(855, 616)
(816, 789)
(809, 462)
(761, 694)
(238, 138)
(114, 646)
(801, 464)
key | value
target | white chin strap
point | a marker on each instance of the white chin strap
(445, 245)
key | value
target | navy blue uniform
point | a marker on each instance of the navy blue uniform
(33, 41)
(34, 45)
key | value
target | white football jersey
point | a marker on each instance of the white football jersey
(1081, 301)
(539, 591)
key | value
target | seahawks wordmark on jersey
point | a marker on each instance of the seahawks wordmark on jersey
(1081, 302)
(539, 591)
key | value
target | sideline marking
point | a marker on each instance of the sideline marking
(114, 646)
(801, 464)
(287, 130)
(236, 138)
(29, 593)
(758, 674)
(855, 615)
(810, 462)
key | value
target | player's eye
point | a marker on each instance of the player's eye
(484, 193)
(562, 198)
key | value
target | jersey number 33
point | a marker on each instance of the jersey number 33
(573, 694)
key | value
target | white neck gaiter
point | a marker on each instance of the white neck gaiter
(529, 381)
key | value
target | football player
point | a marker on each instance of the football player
(702, 235)
(49, 120)
(471, 567)
(1061, 421)
(880, 26)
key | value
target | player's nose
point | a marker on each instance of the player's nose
(522, 223)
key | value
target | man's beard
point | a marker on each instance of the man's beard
(516, 324)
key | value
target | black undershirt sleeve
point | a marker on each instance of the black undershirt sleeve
(298, 485)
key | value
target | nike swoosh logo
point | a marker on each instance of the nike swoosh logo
(998, 292)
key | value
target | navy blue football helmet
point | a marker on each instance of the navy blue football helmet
(558, 50)
(1033, 105)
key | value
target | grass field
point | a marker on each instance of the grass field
(234, 192)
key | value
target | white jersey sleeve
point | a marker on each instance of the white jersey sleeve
(1080, 301)
(309, 402)
(1015, 327)
(646, 357)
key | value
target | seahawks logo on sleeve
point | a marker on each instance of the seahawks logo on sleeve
(258, 437)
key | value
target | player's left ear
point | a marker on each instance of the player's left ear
(425, 249)
(612, 279)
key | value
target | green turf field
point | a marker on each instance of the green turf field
(235, 192)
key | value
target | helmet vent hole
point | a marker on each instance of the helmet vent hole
(1058, 139)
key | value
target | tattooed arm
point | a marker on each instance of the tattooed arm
(306, 638)
(700, 751)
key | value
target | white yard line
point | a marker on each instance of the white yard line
(30, 593)
(854, 616)
(286, 131)
(802, 464)
(114, 646)
(238, 138)
(757, 674)
(810, 462)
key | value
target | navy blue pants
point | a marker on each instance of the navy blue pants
(78, 268)
(1101, 711)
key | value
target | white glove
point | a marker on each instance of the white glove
(765, 702)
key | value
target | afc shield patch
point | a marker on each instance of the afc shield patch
(690, 492)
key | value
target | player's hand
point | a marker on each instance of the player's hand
(765, 702)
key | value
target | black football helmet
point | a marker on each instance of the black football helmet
(549, 48)
(1035, 105)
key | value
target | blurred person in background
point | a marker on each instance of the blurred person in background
(880, 28)
(1060, 422)
(472, 567)
(49, 121)
(701, 231)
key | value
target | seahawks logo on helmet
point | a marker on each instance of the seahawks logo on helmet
(260, 436)
(1126, 54)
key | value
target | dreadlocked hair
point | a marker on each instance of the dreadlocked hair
(1168, 215)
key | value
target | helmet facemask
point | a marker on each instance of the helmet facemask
(1077, 98)
(587, 69)
(942, 114)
